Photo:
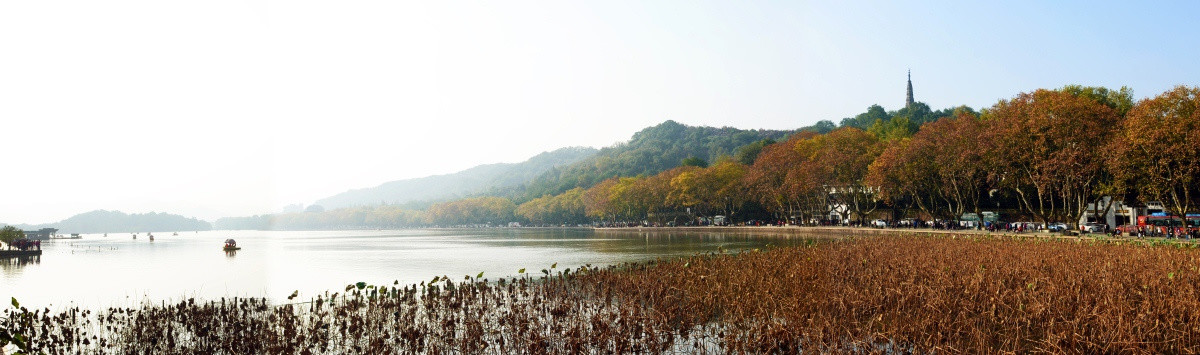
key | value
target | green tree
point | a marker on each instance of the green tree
(10, 234)
(864, 120)
(1120, 100)
(694, 161)
(747, 153)
(821, 127)
(896, 128)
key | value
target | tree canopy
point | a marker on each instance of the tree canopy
(10, 234)
(1044, 154)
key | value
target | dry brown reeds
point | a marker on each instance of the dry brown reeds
(888, 294)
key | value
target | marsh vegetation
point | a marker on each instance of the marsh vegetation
(903, 293)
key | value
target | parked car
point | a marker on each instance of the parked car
(879, 223)
(1057, 227)
(1091, 228)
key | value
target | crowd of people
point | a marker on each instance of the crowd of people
(1161, 232)
(25, 244)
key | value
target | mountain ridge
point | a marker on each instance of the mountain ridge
(104, 221)
(486, 178)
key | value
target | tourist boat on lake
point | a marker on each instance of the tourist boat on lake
(231, 245)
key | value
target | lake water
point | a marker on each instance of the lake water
(118, 270)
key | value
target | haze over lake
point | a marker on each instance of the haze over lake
(118, 270)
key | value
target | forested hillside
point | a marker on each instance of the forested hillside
(498, 179)
(651, 151)
(101, 221)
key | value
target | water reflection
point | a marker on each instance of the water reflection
(123, 270)
(12, 266)
(621, 241)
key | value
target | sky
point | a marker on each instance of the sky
(231, 108)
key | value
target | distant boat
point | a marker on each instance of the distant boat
(231, 245)
(152, 237)
(175, 234)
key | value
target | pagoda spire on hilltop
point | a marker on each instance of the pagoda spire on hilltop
(908, 101)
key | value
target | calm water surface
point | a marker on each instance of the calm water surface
(117, 270)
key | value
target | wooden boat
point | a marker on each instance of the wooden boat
(231, 245)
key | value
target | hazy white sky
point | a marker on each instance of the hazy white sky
(227, 108)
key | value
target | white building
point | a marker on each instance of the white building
(1118, 213)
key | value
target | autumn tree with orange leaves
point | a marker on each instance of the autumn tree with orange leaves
(941, 169)
(567, 207)
(784, 181)
(1158, 149)
(597, 201)
(1045, 146)
(839, 162)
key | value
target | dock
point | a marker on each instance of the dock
(19, 253)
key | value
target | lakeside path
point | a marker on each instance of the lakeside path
(867, 231)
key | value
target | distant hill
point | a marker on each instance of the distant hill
(497, 179)
(101, 221)
(650, 151)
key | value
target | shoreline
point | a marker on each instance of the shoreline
(868, 231)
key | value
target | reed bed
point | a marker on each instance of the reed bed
(946, 294)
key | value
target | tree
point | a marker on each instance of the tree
(717, 188)
(1044, 151)
(895, 128)
(766, 178)
(839, 163)
(918, 114)
(10, 234)
(1120, 100)
(479, 210)
(597, 201)
(628, 199)
(650, 151)
(748, 153)
(694, 161)
(821, 127)
(686, 190)
(564, 208)
(905, 176)
(962, 170)
(784, 182)
(1158, 149)
(866, 119)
